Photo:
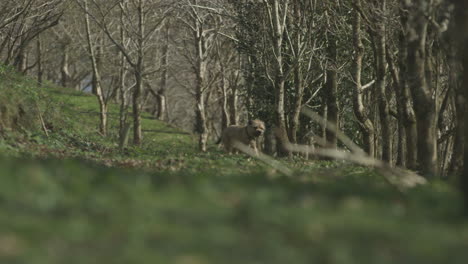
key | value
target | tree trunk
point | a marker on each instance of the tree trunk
(298, 80)
(20, 62)
(200, 73)
(232, 102)
(96, 76)
(136, 105)
(424, 105)
(40, 70)
(225, 122)
(64, 71)
(200, 119)
(299, 87)
(456, 161)
(280, 116)
(457, 102)
(367, 127)
(330, 91)
(124, 125)
(381, 70)
(409, 118)
(461, 26)
(139, 68)
(324, 115)
(161, 115)
(401, 145)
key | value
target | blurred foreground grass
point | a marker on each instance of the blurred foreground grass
(62, 211)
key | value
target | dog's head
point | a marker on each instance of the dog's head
(256, 127)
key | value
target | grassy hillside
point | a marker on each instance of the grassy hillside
(73, 197)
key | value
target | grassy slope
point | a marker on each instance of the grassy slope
(74, 198)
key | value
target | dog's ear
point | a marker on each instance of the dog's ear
(250, 123)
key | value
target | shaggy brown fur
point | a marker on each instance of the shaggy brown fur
(246, 135)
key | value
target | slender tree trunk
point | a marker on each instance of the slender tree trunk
(232, 102)
(367, 127)
(324, 115)
(139, 68)
(20, 60)
(200, 73)
(64, 71)
(124, 125)
(409, 118)
(298, 81)
(456, 161)
(299, 87)
(224, 102)
(280, 116)
(381, 71)
(331, 90)
(161, 115)
(96, 76)
(401, 145)
(200, 119)
(40, 70)
(424, 105)
(136, 104)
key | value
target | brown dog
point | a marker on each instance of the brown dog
(245, 135)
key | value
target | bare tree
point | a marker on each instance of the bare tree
(405, 102)
(20, 23)
(97, 87)
(421, 91)
(277, 12)
(141, 35)
(161, 94)
(367, 127)
(379, 36)
(200, 22)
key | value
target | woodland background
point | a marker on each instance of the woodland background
(387, 73)
(109, 110)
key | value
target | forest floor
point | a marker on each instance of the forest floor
(74, 197)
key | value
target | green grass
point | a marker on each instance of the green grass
(74, 197)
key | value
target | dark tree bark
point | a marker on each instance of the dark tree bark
(456, 161)
(381, 71)
(396, 84)
(424, 104)
(40, 70)
(409, 119)
(461, 26)
(330, 93)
